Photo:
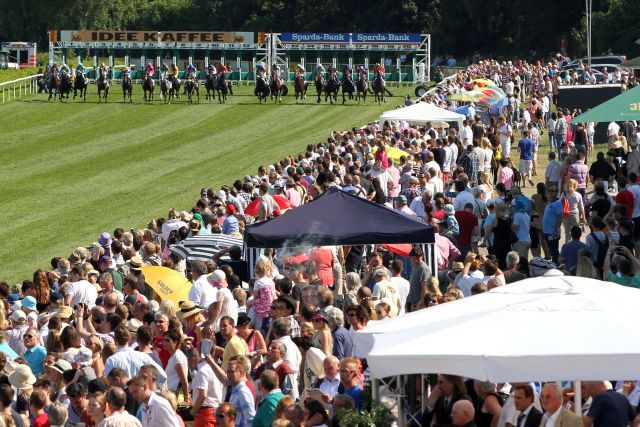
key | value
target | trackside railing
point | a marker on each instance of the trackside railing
(10, 91)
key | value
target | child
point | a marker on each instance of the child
(37, 402)
(452, 229)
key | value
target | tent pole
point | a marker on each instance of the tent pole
(577, 396)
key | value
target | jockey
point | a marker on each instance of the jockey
(362, 71)
(164, 69)
(150, 69)
(173, 70)
(320, 71)
(64, 69)
(275, 72)
(347, 73)
(300, 72)
(222, 69)
(212, 69)
(261, 69)
(125, 74)
(191, 69)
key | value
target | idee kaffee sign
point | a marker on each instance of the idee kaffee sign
(113, 36)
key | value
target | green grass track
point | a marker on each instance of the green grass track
(70, 170)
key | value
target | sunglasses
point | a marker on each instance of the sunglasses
(27, 336)
(221, 415)
(94, 320)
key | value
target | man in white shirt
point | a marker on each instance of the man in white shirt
(462, 197)
(80, 291)
(117, 399)
(156, 410)
(331, 382)
(612, 131)
(206, 389)
(505, 132)
(466, 134)
(202, 293)
(400, 283)
(293, 357)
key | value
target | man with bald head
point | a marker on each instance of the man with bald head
(556, 415)
(608, 408)
(462, 414)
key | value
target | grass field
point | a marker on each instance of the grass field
(70, 170)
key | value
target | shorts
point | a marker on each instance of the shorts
(525, 166)
(636, 228)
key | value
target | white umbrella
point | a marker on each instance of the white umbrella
(203, 247)
(541, 329)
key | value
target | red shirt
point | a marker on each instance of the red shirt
(466, 221)
(625, 197)
(41, 420)
(163, 354)
(323, 258)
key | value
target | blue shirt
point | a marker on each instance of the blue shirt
(342, 343)
(356, 394)
(526, 149)
(230, 225)
(570, 253)
(35, 358)
(8, 351)
(523, 221)
(552, 212)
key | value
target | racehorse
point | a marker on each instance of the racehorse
(331, 89)
(166, 89)
(262, 88)
(379, 88)
(148, 85)
(222, 87)
(191, 85)
(300, 86)
(362, 87)
(277, 87)
(320, 83)
(54, 83)
(127, 88)
(175, 84)
(210, 86)
(103, 86)
(65, 85)
(347, 87)
(80, 84)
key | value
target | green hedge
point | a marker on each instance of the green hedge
(9, 75)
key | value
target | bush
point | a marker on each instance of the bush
(8, 75)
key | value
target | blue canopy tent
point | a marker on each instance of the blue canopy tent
(342, 219)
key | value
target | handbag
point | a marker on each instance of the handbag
(565, 206)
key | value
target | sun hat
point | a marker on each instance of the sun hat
(187, 309)
(18, 316)
(457, 266)
(17, 305)
(29, 303)
(22, 377)
(290, 302)
(136, 262)
(61, 366)
(154, 306)
(318, 315)
(449, 209)
(105, 240)
(84, 357)
(64, 312)
(133, 325)
(217, 276)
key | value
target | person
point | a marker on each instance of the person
(529, 416)
(241, 397)
(235, 346)
(576, 212)
(556, 415)
(79, 404)
(505, 131)
(521, 226)
(156, 410)
(35, 353)
(315, 414)
(608, 407)
(206, 388)
(127, 359)
(349, 379)
(569, 253)
(489, 404)
(226, 415)
(462, 414)
(97, 407)
(117, 399)
(420, 272)
(177, 368)
(526, 149)
(271, 395)
(551, 222)
(628, 267)
(37, 403)
(275, 362)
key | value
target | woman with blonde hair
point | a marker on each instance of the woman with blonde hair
(94, 343)
(264, 293)
(576, 214)
(484, 185)
(366, 302)
(322, 339)
(169, 308)
(97, 407)
(585, 267)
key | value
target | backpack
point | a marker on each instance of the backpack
(602, 250)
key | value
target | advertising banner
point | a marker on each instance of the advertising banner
(150, 37)
(346, 38)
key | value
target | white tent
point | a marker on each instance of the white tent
(542, 329)
(421, 113)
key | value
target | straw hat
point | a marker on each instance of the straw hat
(188, 308)
(65, 312)
(133, 325)
(22, 377)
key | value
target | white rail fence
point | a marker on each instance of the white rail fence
(18, 88)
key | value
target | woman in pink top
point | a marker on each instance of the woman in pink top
(505, 175)
(323, 257)
(293, 194)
